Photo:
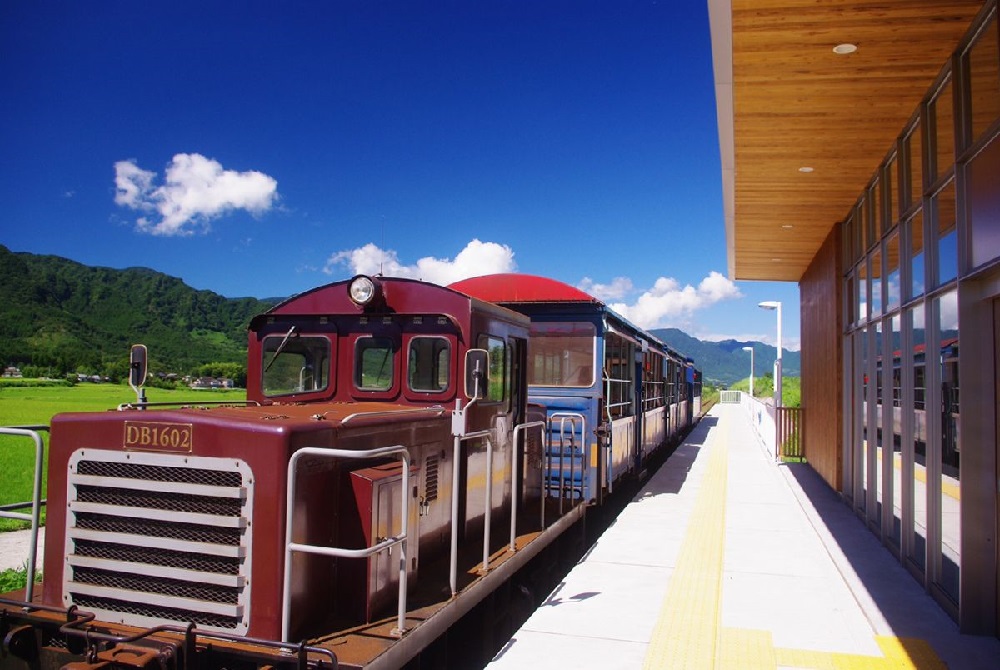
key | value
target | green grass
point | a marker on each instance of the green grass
(11, 580)
(20, 406)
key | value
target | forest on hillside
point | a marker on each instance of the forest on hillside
(59, 317)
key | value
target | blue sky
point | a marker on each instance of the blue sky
(261, 148)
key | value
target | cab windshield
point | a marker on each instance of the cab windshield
(294, 363)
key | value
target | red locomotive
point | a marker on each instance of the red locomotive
(383, 477)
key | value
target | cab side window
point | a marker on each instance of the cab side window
(497, 349)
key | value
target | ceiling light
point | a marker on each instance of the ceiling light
(787, 226)
(805, 168)
(775, 260)
(845, 48)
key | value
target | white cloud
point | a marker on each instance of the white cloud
(667, 303)
(476, 259)
(616, 290)
(195, 190)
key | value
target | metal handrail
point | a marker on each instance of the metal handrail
(35, 502)
(516, 470)
(186, 403)
(458, 439)
(290, 547)
(563, 418)
(438, 410)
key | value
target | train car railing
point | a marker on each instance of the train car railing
(564, 418)
(516, 471)
(36, 502)
(460, 436)
(337, 552)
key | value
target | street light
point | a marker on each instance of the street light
(775, 305)
(750, 349)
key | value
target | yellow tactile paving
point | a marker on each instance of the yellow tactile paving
(687, 632)
(686, 629)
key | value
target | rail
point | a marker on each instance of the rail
(789, 432)
(458, 439)
(185, 403)
(336, 552)
(515, 471)
(35, 503)
(563, 418)
(436, 410)
(627, 402)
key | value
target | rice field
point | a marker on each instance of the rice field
(36, 405)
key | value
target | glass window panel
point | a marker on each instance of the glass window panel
(878, 433)
(847, 232)
(892, 194)
(944, 130)
(915, 358)
(294, 364)
(867, 235)
(429, 364)
(984, 79)
(852, 300)
(562, 354)
(984, 204)
(876, 274)
(951, 521)
(863, 288)
(917, 255)
(497, 349)
(374, 361)
(862, 470)
(916, 175)
(893, 290)
(947, 237)
(877, 225)
(892, 426)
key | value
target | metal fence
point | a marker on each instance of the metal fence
(789, 432)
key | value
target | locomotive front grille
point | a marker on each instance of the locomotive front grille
(156, 538)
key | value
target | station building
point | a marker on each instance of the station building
(860, 146)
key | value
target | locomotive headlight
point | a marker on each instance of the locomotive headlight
(362, 290)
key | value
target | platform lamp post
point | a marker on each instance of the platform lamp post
(775, 305)
(750, 349)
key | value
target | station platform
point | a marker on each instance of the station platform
(728, 560)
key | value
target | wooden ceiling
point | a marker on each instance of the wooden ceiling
(789, 102)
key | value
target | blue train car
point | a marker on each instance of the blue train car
(612, 393)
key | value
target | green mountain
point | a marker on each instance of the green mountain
(61, 316)
(725, 362)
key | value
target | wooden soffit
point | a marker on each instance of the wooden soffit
(786, 101)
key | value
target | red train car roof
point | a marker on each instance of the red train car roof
(513, 287)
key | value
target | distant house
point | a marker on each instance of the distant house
(211, 383)
(11, 371)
